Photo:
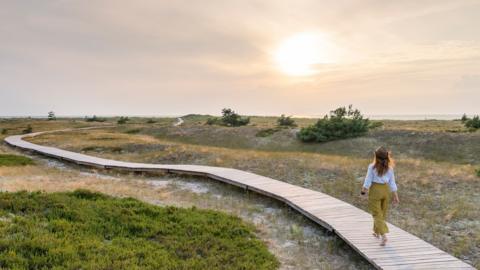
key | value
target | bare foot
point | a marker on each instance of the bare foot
(384, 241)
(376, 235)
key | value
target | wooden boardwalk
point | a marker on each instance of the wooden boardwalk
(353, 225)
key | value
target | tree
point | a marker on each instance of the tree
(229, 118)
(94, 119)
(151, 121)
(464, 118)
(27, 130)
(51, 116)
(286, 121)
(341, 123)
(122, 120)
(473, 123)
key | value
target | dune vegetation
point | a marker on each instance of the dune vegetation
(14, 160)
(88, 230)
(436, 164)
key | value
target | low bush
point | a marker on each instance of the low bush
(214, 121)
(94, 119)
(27, 130)
(51, 116)
(266, 132)
(286, 121)
(122, 120)
(375, 124)
(342, 123)
(133, 131)
(14, 160)
(472, 123)
(477, 171)
(4, 131)
(229, 118)
(87, 230)
(151, 121)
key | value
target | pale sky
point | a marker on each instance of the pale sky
(113, 57)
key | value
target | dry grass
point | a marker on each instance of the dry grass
(435, 169)
(446, 190)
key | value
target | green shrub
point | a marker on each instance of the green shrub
(133, 131)
(94, 119)
(14, 160)
(473, 123)
(214, 121)
(4, 131)
(266, 132)
(27, 130)
(229, 118)
(477, 171)
(87, 230)
(464, 118)
(122, 120)
(51, 116)
(375, 124)
(286, 121)
(340, 124)
(151, 121)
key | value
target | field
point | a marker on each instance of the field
(295, 241)
(436, 165)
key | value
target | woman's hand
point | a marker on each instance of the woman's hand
(363, 192)
(395, 200)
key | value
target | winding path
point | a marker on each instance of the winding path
(353, 225)
(179, 122)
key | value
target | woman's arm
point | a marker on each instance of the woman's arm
(393, 188)
(395, 200)
(368, 180)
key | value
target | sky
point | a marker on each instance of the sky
(158, 57)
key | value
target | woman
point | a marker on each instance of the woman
(379, 183)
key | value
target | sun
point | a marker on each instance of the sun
(300, 54)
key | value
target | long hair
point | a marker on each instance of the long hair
(382, 161)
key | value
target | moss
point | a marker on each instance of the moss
(86, 230)
(14, 160)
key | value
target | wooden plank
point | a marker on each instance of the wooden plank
(353, 225)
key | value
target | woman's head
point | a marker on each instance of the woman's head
(382, 161)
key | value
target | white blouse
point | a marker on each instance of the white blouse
(387, 178)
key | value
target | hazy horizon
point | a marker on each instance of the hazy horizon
(373, 117)
(258, 57)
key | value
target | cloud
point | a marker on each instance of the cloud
(164, 57)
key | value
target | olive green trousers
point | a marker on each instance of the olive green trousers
(378, 198)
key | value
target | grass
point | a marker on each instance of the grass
(436, 165)
(14, 160)
(271, 218)
(88, 230)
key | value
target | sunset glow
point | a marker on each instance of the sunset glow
(299, 54)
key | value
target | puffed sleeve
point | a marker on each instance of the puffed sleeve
(391, 182)
(369, 178)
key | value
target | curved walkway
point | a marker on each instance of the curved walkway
(353, 225)
(179, 122)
